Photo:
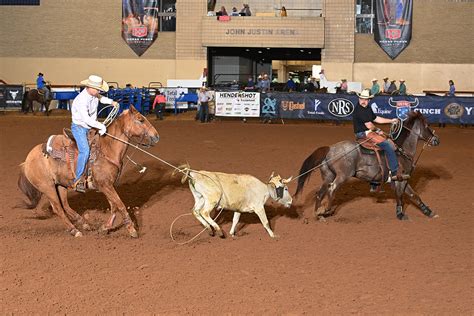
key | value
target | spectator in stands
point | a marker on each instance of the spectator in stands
(283, 11)
(343, 85)
(84, 116)
(264, 84)
(222, 12)
(250, 85)
(385, 85)
(203, 101)
(41, 86)
(245, 11)
(402, 90)
(452, 89)
(310, 87)
(234, 12)
(290, 85)
(323, 81)
(159, 105)
(375, 89)
(392, 88)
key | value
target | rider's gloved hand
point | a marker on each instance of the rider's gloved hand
(102, 129)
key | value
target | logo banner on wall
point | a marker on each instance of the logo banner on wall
(393, 25)
(240, 104)
(139, 24)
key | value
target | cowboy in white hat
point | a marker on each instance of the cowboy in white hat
(84, 117)
(375, 89)
(363, 119)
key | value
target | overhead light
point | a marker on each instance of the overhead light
(301, 50)
(309, 52)
(268, 48)
(247, 50)
(259, 51)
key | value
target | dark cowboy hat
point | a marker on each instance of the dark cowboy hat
(40, 74)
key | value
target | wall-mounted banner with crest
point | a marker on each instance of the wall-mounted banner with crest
(393, 25)
(139, 24)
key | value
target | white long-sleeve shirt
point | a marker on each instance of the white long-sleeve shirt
(84, 109)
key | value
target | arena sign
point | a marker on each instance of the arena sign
(393, 25)
(11, 96)
(240, 104)
(313, 106)
(139, 24)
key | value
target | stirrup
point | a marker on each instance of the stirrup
(398, 177)
(79, 186)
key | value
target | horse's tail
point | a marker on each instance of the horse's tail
(309, 165)
(184, 169)
(28, 189)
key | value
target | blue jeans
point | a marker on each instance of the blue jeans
(80, 134)
(389, 153)
(391, 156)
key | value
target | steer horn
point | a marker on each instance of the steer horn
(285, 181)
(390, 101)
(415, 103)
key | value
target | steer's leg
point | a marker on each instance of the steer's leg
(235, 221)
(263, 218)
(206, 213)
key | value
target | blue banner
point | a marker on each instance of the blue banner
(313, 106)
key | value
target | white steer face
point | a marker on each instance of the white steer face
(281, 189)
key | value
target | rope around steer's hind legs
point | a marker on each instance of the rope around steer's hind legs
(188, 241)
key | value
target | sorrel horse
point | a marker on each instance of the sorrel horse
(41, 174)
(347, 159)
(35, 95)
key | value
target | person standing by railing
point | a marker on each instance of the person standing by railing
(452, 89)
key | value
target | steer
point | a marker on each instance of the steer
(240, 193)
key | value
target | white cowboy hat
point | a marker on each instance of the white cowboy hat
(365, 94)
(96, 82)
(385, 78)
(375, 79)
(402, 80)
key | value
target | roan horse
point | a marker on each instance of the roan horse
(35, 95)
(346, 159)
(41, 174)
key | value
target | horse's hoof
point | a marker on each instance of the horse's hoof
(321, 219)
(402, 217)
(86, 226)
(132, 232)
(104, 230)
(75, 232)
(221, 234)
(305, 221)
(433, 215)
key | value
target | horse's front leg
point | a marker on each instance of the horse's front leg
(415, 198)
(399, 188)
(116, 203)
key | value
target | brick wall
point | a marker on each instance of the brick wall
(339, 31)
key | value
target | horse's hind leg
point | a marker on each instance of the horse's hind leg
(78, 219)
(50, 192)
(415, 198)
(330, 210)
(328, 177)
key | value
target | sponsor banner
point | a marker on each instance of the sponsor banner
(139, 24)
(240, 104)
(11, 96)
(436, 109)
(174, 94)
(393, 25)
(316, 106)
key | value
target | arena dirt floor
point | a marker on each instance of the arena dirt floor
(362, 260)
